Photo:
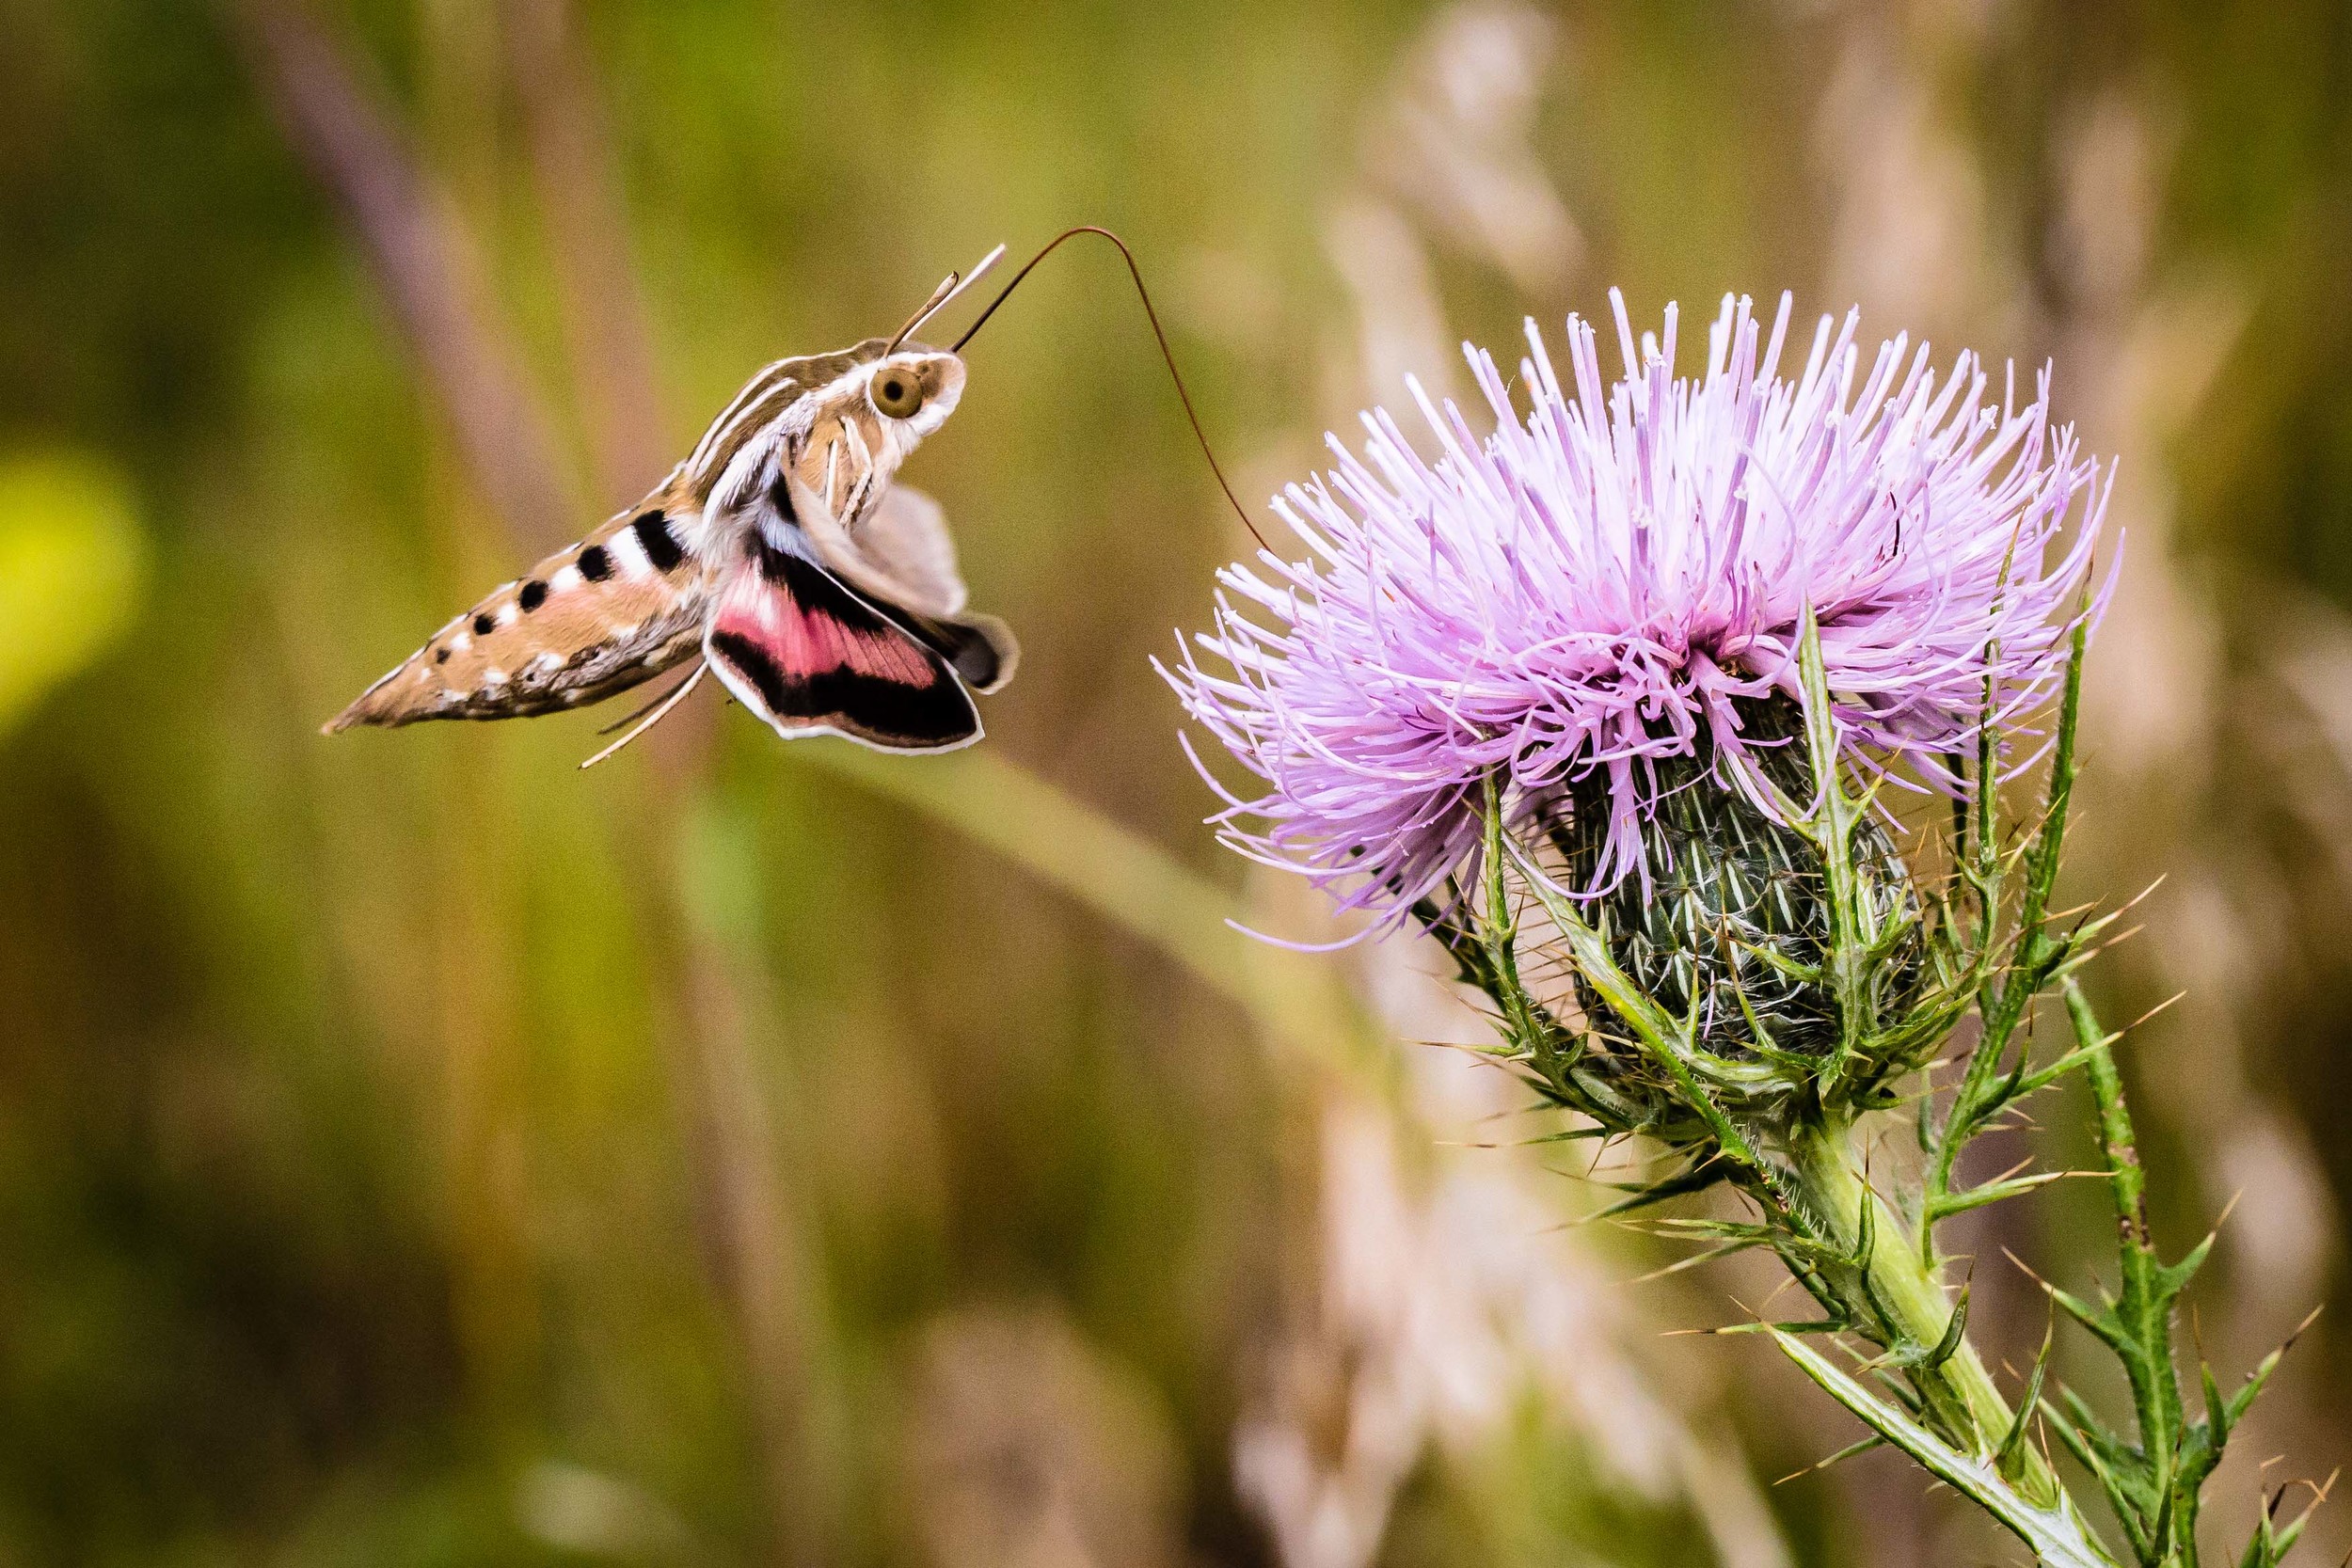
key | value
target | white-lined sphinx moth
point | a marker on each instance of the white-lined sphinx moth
(780, 553)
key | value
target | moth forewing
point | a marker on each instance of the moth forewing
(906, 536)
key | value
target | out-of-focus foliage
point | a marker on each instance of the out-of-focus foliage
(415, 1151)
(70, 561)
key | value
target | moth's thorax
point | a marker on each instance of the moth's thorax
(839, 435)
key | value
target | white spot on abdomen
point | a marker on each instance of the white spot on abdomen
(628, 554)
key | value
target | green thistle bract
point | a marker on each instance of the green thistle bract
(1732, 925)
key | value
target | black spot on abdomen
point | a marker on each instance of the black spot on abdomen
(595, 564)
(659, 545)
(483, 626)
(534, 595)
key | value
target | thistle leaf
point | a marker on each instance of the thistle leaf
(2057, 1537)
(2078, 1443)
(2172, 1279)
(1929, 1358)
(2101, 1322)
(1990, 1191)
(1851, 1451)
(2239, 1402)
(2005, 1457)
(2113, 1451)
(2218, 1420)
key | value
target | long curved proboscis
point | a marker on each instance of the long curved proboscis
(1157, 332)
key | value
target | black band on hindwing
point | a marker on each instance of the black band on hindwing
(966, 650)
(887, 711)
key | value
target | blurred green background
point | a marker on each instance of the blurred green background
(414, 1152)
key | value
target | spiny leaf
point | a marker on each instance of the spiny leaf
(2268, 1545)
(2096, 1450)
(2218, 1420)
(1566, 1135)
(2103, 1324)
(1677, 1226)
(2244, 1399)
(1821, 1326)
(1684, 1264)
(2011, 1444)
(2172, 1279)
(1849, 1452)
(1929, 1358)
(2077, 1444)
(2051, 1072)
(2114, 1451)
(2057, 1538)
(1866, 1251)
(1644, 1195)
(1992, 1191)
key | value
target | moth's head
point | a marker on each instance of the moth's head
(847, 437)
(913, 389)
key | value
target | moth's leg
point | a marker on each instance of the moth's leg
(656, 712)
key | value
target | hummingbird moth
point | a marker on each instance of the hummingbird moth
(780, 554)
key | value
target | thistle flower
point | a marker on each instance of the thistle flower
(1609, 694)
(1597, 596)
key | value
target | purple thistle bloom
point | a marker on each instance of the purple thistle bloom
(1603, 583)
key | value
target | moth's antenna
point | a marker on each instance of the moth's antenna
(1145, 295)
(943, 296)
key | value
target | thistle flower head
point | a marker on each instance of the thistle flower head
(1619, 578)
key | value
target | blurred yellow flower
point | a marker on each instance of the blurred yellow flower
(72, 563)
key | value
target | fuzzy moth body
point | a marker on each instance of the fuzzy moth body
(615, 610)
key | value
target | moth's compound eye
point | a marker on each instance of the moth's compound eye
(897, 391)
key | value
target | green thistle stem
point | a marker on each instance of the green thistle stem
(1895, 1296)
